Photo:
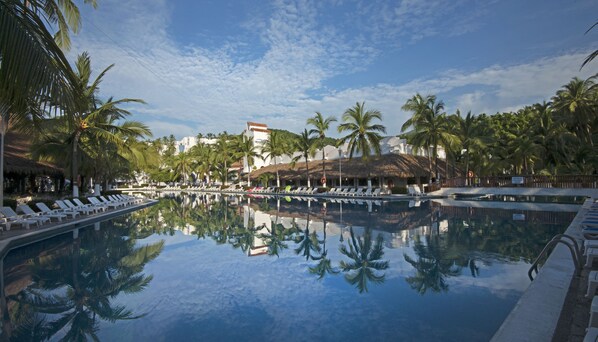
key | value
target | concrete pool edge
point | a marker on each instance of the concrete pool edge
(536, 315)
(39, 234)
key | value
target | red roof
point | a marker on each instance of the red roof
(256, 124)
(260, 130)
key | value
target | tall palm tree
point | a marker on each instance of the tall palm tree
(32, 66)
(469, 135)
(576, 101)
(246, 147)
(364, 136)
(273, 148)
(87, 117)
(431, 127)
(321, 125)
(182, 165)
(205, 157)
(225, 155)
(306, 145)
(592, 55)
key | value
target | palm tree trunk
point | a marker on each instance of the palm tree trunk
(467, 167)
(430, 167)
(75, 166)
(225, 173)
(2, 134)
(323, 168)
(277, 178)
(307, 171)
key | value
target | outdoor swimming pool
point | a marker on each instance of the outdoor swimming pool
(182, 270)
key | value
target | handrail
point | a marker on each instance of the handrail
(573, 248)
(525, 181)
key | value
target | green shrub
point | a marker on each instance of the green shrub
(398, 190)
(9, 202)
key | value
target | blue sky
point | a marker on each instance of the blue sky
(210, 66)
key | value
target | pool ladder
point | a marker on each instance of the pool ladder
(567, 240)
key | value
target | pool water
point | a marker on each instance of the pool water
(237, 269)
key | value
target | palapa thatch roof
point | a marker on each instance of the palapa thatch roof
(17, 160)
(388, 165)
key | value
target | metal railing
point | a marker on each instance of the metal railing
(533, 181)
(576, 253)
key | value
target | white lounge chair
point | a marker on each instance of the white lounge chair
(359, 192)
(96, 201)
(25, 209)
(376, 192)
(97, 208)
(44, 208)
(106, 201)
(65, 207)
(10, 218)
(351, 192)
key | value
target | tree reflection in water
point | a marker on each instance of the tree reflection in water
(324, 265)
(470, 239)
(435, 262)
(74, 288)
(365, 260)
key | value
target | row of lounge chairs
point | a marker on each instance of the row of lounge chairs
(354, 192)
(589, 226)
(300, 191)
(66, 210)
(414, 190)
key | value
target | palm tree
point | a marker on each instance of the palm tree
(182, 165)
(363, 134)
(224, 149)
(593, 54)
(365, 260)
(246, 147)
(273, 148)
(304, 144)
(88, 118)
(321, 125)
(32, 65)
(577, 104)
(469, 135)
(206, 158)
(431, 127)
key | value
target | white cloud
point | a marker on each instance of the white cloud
(191, 89)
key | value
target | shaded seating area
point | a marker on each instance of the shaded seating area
(385, 172)
(22, 175)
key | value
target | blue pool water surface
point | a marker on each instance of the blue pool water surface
(198, 268)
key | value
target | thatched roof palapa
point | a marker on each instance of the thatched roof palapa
(16, 157)
(388, 165)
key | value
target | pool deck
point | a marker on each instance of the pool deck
(15, 238)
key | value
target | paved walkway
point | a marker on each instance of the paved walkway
(15, 238)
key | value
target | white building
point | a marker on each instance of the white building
(185, 144)
(259, 133)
